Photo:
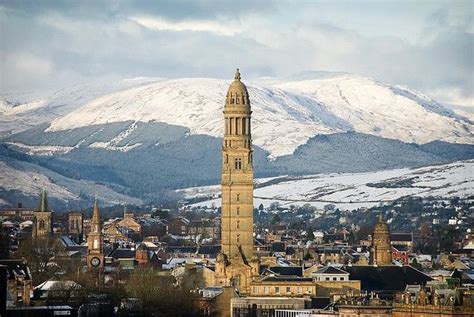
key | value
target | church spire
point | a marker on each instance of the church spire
(96, 215)
(43, 203)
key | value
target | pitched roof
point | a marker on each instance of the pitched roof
(287, 270)
(401, 237)
(388, 278)
(122, 253)
(330, 270)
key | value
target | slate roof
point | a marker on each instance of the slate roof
(388, 278)
(330, 270)
(16, 268)
(401, 237)
(122, 254)
(290, 278)
(209, 249)
(287, 270)
(278, 247)
(181, 249)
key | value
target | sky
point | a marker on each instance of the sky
(426, 45)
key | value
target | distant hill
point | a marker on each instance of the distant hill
(143, 138)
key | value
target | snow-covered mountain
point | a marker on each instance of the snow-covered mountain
(286, 113)
(143, 137)
(22, 110)
(354, 190)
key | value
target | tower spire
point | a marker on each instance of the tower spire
(96, 214)
(43, 203)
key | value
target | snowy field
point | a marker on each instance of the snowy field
(355, 190)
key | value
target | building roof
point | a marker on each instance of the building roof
(388, 278)
(122, 253)
(401, 237)
(16, 268)
(209, 249)
(287, 270)
(330, 270)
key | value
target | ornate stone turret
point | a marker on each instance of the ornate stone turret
(381, 246)
(95, 240)
(237, 174)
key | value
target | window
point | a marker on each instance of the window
(238, 197)
(334, 278)
(288, 289)
(277, 290)
(238, 238)
(231, 121)
(41, 224)
(238, 224)
(265, 290)
(327, 278)
(255, 289)
(237, 126)
(238, 211)
(300, 290)
(238, 163)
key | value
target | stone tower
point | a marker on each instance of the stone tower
(381, 246)
(76, 226)
(43, 224)
(237, 174)
(95, 240)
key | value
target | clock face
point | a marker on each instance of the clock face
(95, 261)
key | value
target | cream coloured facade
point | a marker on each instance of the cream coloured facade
(237, 174)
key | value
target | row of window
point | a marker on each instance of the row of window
(237, 126)
(276, 290)
(237, 99)
(237, 161)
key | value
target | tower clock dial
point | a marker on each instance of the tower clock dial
(95, 261)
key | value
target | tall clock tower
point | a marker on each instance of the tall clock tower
(237, 174)
(95, 240)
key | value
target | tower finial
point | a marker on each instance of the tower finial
(237, 75)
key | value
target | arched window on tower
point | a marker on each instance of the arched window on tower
(41, 225)
(238, 163)
(237, 100)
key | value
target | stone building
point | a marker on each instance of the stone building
(42, 224)
(95, 240)
(381, 246)
(76, 226)
(236, 265)
(237, 174)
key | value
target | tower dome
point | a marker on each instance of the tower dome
(381, 228)
(381, 243)
(237, 93)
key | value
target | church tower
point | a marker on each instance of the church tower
(43, 224)
(381, 245)
(237, 174)
(95, 240)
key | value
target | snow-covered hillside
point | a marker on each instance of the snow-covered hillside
(28, 180)
(354, 190)
(286, 113)
(22, 110)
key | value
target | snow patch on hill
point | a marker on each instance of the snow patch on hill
(354, 190)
